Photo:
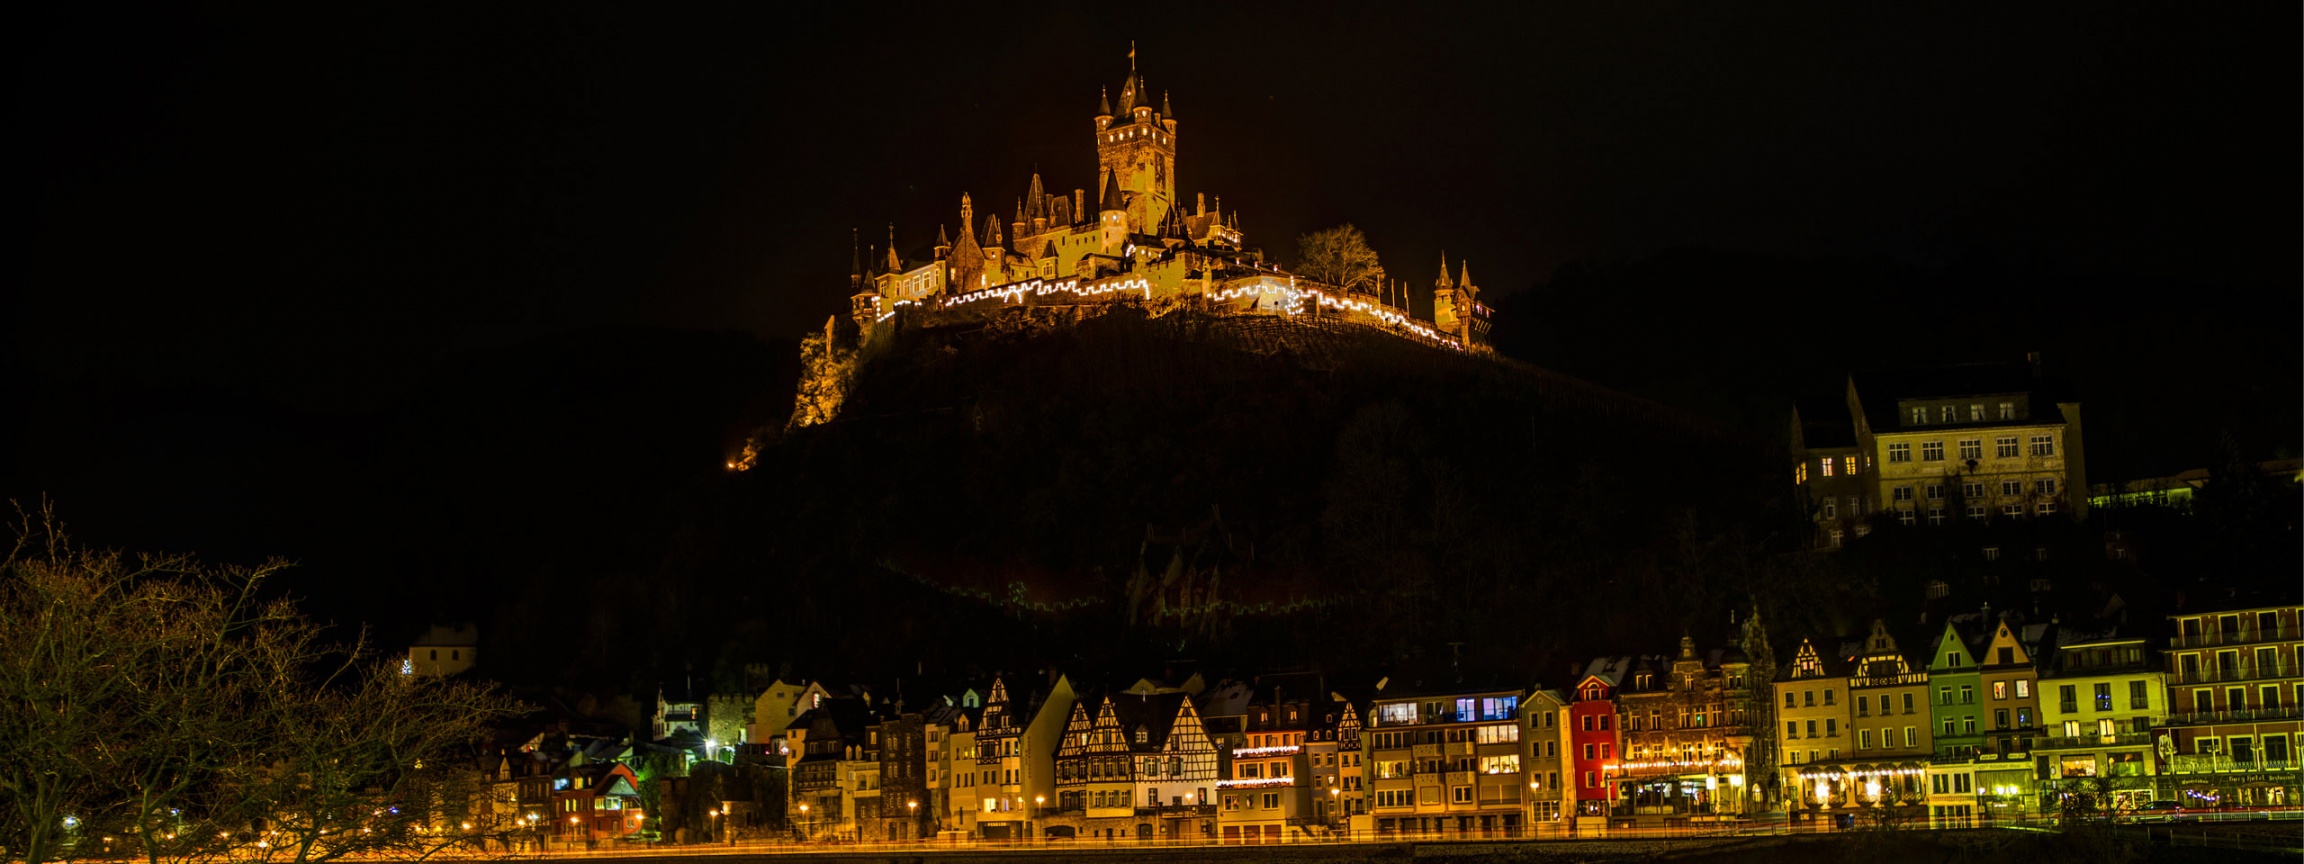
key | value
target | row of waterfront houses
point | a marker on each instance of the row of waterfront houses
(1995, 718)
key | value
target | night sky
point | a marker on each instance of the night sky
(248, 243)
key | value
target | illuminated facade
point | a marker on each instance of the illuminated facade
(1813, 712)
(1015, 758)
(949, 732)
(1981, 442)
(2100, 701)
(1592, 742)
(1129, 236)
(1688, 730)
(2235, 707)
(1543, 738)
(1447, 763)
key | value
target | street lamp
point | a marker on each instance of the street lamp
(1037, 802)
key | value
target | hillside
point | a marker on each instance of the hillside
(1128, 490)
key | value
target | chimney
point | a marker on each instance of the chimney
(1079, 201)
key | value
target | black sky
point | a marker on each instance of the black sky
(313, 208)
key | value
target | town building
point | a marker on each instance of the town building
(1982, 442)
(2101, 697)
(1269, 793)
(443, 650)
(1888, 722)
(1447, 762)
(2006, 780)
(906, 811)
(1958, 718)
(778, 705)
(1591, 759)
(1829, 471)
(1545, 722)
(1688, 729)
(833, 766)
(2234, 698)
(1815, 737)
(1015, 757)
(949, 730)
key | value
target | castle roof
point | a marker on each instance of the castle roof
(1113, 198)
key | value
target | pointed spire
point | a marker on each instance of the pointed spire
(1165, 111)
(1466, 279)
(1103, 101)
(895, 264)
(992, 232)
(855, 259)
(1131, 87)
(1035, 200)
(942, 240)
(1444, 283)
(1113, 198)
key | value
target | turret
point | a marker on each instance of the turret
(895, 264)
(995, 253)
(1036, 202)
(967, 257)
(943, 243)
(1112, 215)
(1016, 227)
(1103, 109)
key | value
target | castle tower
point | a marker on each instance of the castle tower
(1113, 216)
(967, 257)
(1138, 146)
(1456, 308)
(1444, 317)
(995, 252)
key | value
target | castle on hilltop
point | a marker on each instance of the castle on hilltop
(1135, 242)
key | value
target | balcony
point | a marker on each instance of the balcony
(2247, 670)
(2119, 739)
(2216, 764)
(1459, 778)
(1425, 751)
(1889, 680)
(2245, 636)
(2194, 718)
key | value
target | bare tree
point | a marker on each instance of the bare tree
(165, 702)
(1339, 256)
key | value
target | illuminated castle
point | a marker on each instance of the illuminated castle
(1134, 242)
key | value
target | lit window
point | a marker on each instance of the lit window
(2007, 410)
(1950, 413)
(1827, 466)
(1976, 413)
(1919, 415)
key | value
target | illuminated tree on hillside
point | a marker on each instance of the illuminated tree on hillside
(1339, 256)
